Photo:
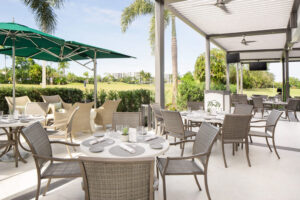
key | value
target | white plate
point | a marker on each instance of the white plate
(96, 149)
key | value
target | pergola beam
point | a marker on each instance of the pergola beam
(248, 33)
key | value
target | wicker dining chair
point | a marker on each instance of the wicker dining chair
(235, 130)
(117, 179)
(5, 143)
(158, 119)
(20, 103)
(269, 132)
(203, 144)
(64, 129)
(292, 107)
(130, 119)
(258, 106)
(105, 112)
(242, 99)
(37, 108)
(41, 149)
(195, 105)
(175, 127)
(56, 99)
(243, 109)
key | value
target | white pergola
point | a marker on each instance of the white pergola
(273, 24)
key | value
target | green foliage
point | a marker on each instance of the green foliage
(217, 65)
(294, 82)
(131, 99)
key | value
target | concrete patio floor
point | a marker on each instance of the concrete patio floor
(269, 178)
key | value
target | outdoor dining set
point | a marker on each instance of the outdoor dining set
(122, 157)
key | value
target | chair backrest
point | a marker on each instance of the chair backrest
(81, 119)
(130, 119)
(20, 102)
(71, 119)
(173, 122)
(156, 110)
(257, 102)
(117, 179)
(204, 140)
(293, 104)
(272, 119)
(38, 141)
(195, 105)
(111, 105)
(243, 109)
(242, 99)
(36, 108)
(234, 98)
(236, 126)
(51, 99)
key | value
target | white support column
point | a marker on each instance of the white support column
(227, 75)
(237, 78)
(95, 81)
(241, 68)
(207, 65)
(287, 75)
(159, 53)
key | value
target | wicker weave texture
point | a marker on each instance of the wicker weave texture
(105, 112)
(130, 119)
(272, 120)
(292, 104)
(195, 105)
(173, 122)
(236, 126)
(36, 108)
(243, 109)
(20, 101)
(38, 139)
(118, 181)
(258, 102)
(156, 110)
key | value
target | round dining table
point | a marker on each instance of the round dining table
(110, 144)
(12, 127)
(202, 116)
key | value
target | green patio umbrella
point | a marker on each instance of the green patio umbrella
(17, 35)
(67, 51)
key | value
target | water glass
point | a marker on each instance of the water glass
(1, 114)
(119, 128)
(189, 109)
(16, 114)
(141, 130)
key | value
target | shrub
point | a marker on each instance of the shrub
(131, 99)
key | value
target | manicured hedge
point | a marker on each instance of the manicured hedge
(131, 99)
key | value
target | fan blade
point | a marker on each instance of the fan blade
(224, 8)
(244, 43)
(206, 4)
(227, 1)
(251, 41)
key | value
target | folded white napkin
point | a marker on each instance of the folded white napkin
(151, 138)
(101, 139)
(127, 148)
(93, 142)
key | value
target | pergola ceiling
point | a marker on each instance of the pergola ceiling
(263, 21)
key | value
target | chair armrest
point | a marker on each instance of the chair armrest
(65, 143)
(263, 126)
(187, 157)
(183, 141)
(263, 120)
(55, 159)
(66, 106)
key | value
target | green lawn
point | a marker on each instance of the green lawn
(168, 88)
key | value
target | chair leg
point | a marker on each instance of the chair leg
(38, 189)
(273, 139)
(195, 176)
(247, 152)
(223, 151)
(262, 113)
(16, 153)
(206, 186)
(268, 144)
(182, 150)
(250, 139)
(157, 173)
(47, 186)
(164, 187)
(233, 149)
(295, 113)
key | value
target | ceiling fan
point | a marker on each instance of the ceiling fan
(246, 42)
(222, 4)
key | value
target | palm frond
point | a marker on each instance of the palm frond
(137, 8)
(44, 14)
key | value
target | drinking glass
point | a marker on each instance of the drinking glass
(189, 109)
(1, 114)
(16, 114)
(119, 128)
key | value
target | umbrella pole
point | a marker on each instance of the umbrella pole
(13, 75)
(95, 82)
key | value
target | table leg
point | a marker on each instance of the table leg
(16, 135)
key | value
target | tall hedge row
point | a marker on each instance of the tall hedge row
(131, 99)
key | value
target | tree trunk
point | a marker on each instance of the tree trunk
(174, 62)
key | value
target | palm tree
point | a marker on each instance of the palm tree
(63, 66)
(147, 7)
(46, 19)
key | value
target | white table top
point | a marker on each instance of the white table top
(149, 152)
(5, 122)
(202, 116)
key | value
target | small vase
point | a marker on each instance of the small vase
(124, 138)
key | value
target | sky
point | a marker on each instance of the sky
(97, 22)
